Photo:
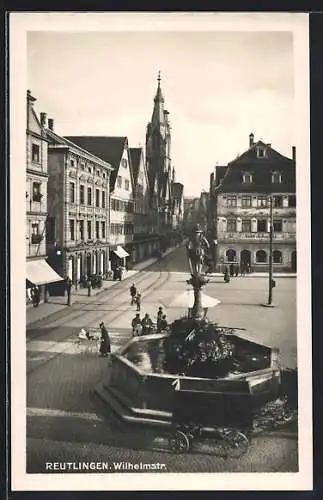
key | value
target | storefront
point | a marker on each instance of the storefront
(40, 273)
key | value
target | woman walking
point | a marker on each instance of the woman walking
(105, 347)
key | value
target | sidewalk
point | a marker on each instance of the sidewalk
(255, 275)
(57, 304)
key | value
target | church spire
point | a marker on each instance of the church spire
(158, 113)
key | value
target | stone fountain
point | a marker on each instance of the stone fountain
(196, 356)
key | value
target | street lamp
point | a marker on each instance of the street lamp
(271, 283)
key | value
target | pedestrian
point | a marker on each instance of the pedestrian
(133, 293)
(35, 296)
(89, 286)
(105, 347)
(136, 325)
(68, 289)
(237, 270)
(138, 301)
(163, 325)
(226, 276)
(231, 270)
(146, 324)
(159, 316)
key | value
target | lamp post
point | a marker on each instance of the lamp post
(271, 282)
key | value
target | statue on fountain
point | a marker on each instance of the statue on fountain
(196, 249)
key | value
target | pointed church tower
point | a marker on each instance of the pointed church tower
(158, 144)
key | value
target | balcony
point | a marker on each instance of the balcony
(261, 237)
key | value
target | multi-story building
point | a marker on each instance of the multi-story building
(115, 151)
(146, 238)
(78, 208)
(38, 270)
(241, 198)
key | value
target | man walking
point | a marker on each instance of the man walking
(133, 293)
(136, 325)
(147, 325)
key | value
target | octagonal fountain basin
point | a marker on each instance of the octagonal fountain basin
(145, 382)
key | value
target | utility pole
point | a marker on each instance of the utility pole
(271, 282)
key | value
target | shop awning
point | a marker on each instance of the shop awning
(120, 252)
(40, 273)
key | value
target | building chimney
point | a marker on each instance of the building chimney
(294, 154)
(251, 140)
(43, 119)
(51, 124)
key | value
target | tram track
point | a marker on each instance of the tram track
(157, 283)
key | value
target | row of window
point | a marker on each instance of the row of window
(261, 256)
(248, 178)
(246, 225)
(100, 230)
(262, 201)
(98, 202)
(126, 228)
(122, 206)
(89, 169)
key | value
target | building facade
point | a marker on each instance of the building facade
(241, 194)
(115, 151)
(145, 238)
(38, 271)
(78, 209)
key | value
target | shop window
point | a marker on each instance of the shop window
(261, 225)
(277, 257)
(231, 255)
(35, 153)
(261, 256)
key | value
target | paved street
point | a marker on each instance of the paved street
(65, 421)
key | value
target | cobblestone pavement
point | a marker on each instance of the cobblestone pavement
(65, 422)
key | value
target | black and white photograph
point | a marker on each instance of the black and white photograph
(160, 251)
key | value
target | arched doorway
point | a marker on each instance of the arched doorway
(89, 264)
(231, 255)
(245, 259)
(261, 256)
(294, 260)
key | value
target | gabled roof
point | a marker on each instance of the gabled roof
(110, 149)
(261, 170)
(54, 138)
